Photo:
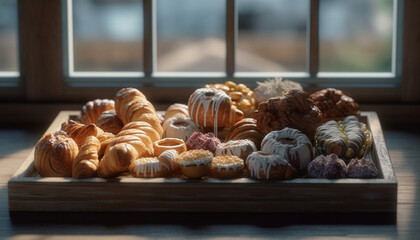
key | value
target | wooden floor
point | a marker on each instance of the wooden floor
(403, 146)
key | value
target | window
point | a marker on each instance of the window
(9, 69)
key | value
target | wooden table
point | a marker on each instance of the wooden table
(403, 146)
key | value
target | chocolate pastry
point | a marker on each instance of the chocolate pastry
(333, 103)
(295, 110)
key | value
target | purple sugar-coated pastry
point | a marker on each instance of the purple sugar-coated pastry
(329, 166)
(361, 168)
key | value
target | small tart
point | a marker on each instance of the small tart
(226, 166)
(148, 167)
(169, 143)
(240, 148)
(195, 163)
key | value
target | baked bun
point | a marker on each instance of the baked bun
(295, 110)
(86, 163)
(240, 148)
(93, 109)
(195, 163)
(168, 144)
(269, 166)
(179, 127)
(334, 103)
(54, 155)
(290, 143)
(226, 166)
(176, 110)
(212, 108)
(246, 129)
(109, 122)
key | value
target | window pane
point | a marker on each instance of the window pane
(355, 36)
(272, 35)
(191, 35)
(108, 35)
(8, 36)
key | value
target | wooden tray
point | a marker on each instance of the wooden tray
(29, 192)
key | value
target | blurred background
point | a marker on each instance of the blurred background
(355, 36)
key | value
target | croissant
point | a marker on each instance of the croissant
(93, 109)
(246, 129)
(54, 155)
(86, 162)
(105, 139)
(117, 159)
(153, 120)
(212, 108)
(142, 135)
(79, 132)
(130, 104)
(144, 126)
(109, 122)
(176, 110)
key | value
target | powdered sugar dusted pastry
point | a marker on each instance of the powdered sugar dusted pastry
(240, 148)
(330, 166)
(168, 144)
(179, 127)
(203, 141)
(276, 87)
(226, 166)
(290, 143)
(269, 166)
(361, 168)
(195, 163)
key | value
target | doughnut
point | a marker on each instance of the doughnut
(361, 168)
(240, 148)
(290, 143)
(269, 166)
(203, 141)
(330, 166)
(153, 166)
(167, 144)
(179, 127)
(226, 166)
(195, 163)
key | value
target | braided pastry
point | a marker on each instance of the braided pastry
(86, 162)
(93, 109)
(212, 108)
(347, 139)
(143, 126)
(109, 122)
(246, 129)
(54, 155)
(333, 103)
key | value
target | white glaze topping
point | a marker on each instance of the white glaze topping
(195, 157)
(204, 98)
(300, 150)
(143, 165)
(170, 156)
(257, 161)
(179, 127)
(227, 162)
(237, 148)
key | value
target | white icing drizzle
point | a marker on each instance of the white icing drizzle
(236, 148)
(301, 151)
(151, 164)
(170, 156)
(259, 160)
(203, 98)
(227, 162)
(171, 130)
(197, 162)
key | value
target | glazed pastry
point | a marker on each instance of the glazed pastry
(86, 163)
(226, 166)
(242, 97)
(143, 126)
(176, 110)
(168, 144)
(295, 110)
(330, 166)
(54, 155)
(239, 148)
(170, 158)
(334, 103)
(269, 166)
(131, 104)
(212, 108)
(246, 129)
(195, 163)
(149, 167)
(276, 87)
(203, 141)
(361, 168)
(348, 138)
(109, 122)
(93, 109)
(290, 143)
(179, 127)
(79, 132)
(117, 159)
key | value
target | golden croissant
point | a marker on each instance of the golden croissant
(79, 132)
(93, 109)
(54, 155)
(86, 163)
(117, 159)
(109, 122)
(130, 104)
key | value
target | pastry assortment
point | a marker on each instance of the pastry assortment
(221, 133)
